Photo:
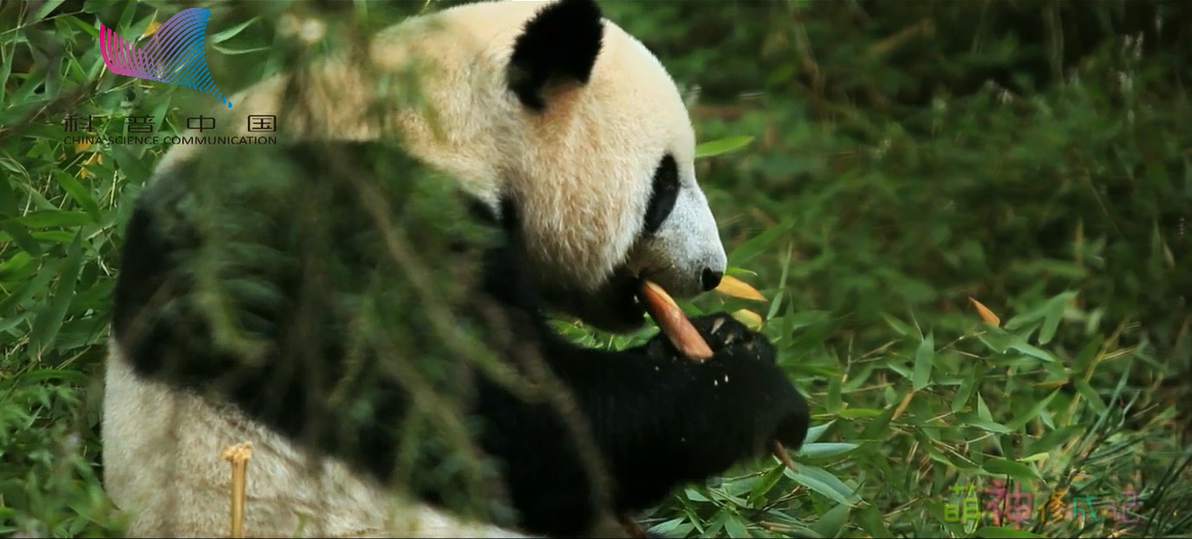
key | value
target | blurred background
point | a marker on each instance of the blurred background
(969, 220)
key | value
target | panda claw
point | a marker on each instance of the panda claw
(717, 325)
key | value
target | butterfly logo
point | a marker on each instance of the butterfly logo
(175, 54)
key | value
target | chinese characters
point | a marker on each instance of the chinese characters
(139, 129)
(1015, 507)
(143, 124)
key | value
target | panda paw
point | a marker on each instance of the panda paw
(761, 390)
(726, 336)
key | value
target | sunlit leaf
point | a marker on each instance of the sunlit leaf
(720, 147)
(732, 286)
(749, 318)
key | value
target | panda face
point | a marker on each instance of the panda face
(680, 246)
(676, 245)
(604, 179)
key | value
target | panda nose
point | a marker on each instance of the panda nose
(710, 279)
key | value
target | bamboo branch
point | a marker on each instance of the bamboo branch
(238, 455)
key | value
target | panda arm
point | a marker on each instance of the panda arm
(662, 420)
(658, 419)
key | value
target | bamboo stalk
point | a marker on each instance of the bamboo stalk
(673, 323)
(238, 456)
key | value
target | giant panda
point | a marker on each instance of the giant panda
(566, 143)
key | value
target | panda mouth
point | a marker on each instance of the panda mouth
(614, 307)
(625, 300)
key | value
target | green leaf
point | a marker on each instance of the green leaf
(21, 237)
(1090, 395)
(1039, 313)
(1014, 469)
(734, 526)
(32, 286)
(722, 146)
(765, 483)
(861, 413)
(88, 28)
(7, 324)
(814, 433)
(996, 339)
(79, 193)
(44, 9)
(130, 11)
(95, 6)
(675, 527)
(237, 52)
(1024, 347)
(833, 402)
(1051, 322)
(758, 244)
(1085, 358)
(924, 360)
(823, 482)
(54, 218)
(869, 518)
(131, 165)
(1020, 421)
(901, 327)
(9, 202)
(967, 386)
(803, 319)
(48, 322)
(826, 449)
(782, 282)
(832, 522)
(6, 52)
(37, 376)
(996, 532)
(230, 33)
(1054, 439)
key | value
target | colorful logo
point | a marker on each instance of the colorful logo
(174, 55)
(1016, 508)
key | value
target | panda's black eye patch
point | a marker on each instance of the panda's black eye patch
(666, 192)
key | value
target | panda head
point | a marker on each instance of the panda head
(591, 147)
(563, 124)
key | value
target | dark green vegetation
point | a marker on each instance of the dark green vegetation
(892, 161)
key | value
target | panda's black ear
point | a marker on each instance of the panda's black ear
(559, 45)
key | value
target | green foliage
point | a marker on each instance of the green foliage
(874, 166)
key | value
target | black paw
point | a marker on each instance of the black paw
(743, 371)
(728, 338)
(794, 424)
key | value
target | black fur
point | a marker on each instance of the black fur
(560, 44)
(663, 194)
(657, 419)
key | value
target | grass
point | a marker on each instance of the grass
(921, 414)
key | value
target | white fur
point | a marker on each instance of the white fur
(162, 465)
(584, 169)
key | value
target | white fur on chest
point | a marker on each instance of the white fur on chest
(162, 466)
